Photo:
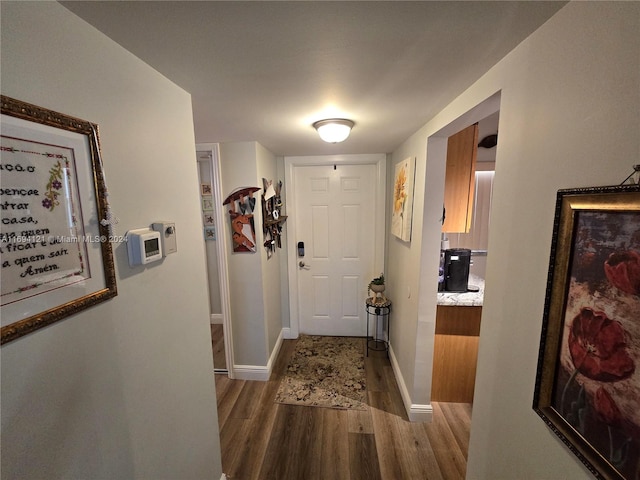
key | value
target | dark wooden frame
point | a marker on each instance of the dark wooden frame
(33, 113)
(569, 203)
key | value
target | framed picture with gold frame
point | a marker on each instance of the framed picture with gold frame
(588, 379)
(55, 244)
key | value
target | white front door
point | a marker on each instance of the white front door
(337, 217)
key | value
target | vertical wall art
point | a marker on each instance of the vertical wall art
(55, 247)
(208, 214)
(402, 210)
(588, 381)
(272, 217)
(241, 206)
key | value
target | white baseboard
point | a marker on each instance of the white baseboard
(215, 319)
(251, 372)
(259, 372)
(415, 412)
(420, 413)
(286, 333)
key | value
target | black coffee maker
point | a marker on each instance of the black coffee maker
(456, 269)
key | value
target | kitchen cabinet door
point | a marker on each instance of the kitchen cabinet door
(455, 353)
(459, 185)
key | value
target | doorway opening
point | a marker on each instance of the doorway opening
(458, 315)
(216, 257)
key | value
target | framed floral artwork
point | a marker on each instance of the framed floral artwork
(401, 213)
(588, 379)
(55, 244)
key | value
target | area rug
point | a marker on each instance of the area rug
(325, 372)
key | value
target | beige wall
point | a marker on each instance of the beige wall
(569, 117)
(239, 169)
(124, 389)
(271, 293)
(254, 281)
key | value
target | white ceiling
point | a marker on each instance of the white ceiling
(265, 71)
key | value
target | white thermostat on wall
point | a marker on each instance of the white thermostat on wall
(167, 231)
(143, 246)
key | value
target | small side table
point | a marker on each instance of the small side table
(381, 311)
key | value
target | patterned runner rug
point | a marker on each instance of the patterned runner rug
(325, 372)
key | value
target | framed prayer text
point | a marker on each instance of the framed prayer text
(55, 251)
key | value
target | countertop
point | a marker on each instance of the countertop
(464, 299)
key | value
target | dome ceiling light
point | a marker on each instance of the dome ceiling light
(334, 130)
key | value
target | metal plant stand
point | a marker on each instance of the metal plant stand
(381, 311)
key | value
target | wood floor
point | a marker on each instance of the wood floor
(217, 342)
(264, 440)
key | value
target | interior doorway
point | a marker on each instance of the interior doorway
(451, 342)
(215, 249)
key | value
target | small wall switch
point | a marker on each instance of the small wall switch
(167, 236)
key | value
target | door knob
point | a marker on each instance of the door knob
(301, 264)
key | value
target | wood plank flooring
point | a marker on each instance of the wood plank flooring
(217, 343)
(263, 440)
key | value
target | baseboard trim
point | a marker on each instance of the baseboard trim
(416, 412)
(286, 334)
(215, 319)
(259, 372)
(251, 372)
(420, 413)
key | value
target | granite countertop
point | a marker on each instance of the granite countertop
(464, 299)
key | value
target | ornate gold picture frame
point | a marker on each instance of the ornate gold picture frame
(55, 244)
(588, 380)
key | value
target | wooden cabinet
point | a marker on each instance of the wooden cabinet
(455, 353)
(459, 185)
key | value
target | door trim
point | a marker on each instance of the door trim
(222, 247)
(290, 163)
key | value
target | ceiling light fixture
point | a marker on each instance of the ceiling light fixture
(334, 130)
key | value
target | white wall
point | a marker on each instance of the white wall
(569, 117)
(124, 389)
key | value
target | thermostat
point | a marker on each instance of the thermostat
(167, 232)
(143, 246)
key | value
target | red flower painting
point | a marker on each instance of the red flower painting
(606, 408)
(597, 346)
(589, 386)
(623, 271)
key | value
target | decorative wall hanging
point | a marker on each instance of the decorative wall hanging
(402, 211)
(208, 219)
(272, 218)
(210, 234)
(55, 246)
(241, 206)
(588, 381)
(207, 203)
(208, 214)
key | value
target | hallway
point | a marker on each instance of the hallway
(264, 440)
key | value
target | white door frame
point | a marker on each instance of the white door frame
(290, 163)
(223, 248)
